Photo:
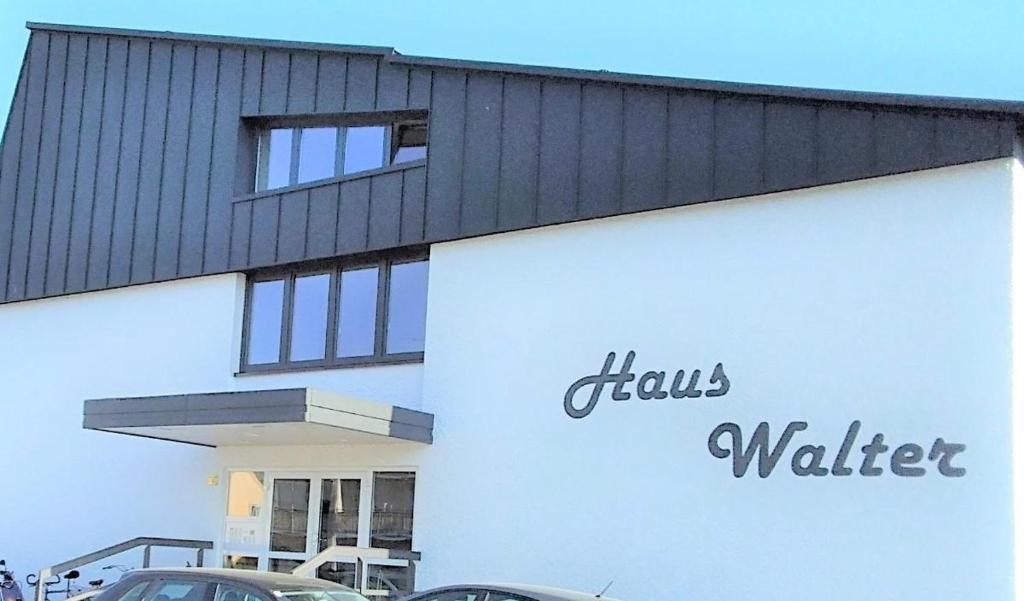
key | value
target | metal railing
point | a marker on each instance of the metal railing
(361, 557)
(147, 544)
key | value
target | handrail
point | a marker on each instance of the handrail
(359, 555)
(147, 542)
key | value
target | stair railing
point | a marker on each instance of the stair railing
(146, 542)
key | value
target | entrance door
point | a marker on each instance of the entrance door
(278, 520)
(309, 513)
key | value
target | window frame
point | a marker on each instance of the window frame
(388, 148)
(380, 356)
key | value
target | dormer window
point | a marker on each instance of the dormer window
(289, 156)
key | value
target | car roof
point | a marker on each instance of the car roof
(541, 593)
(269, 580)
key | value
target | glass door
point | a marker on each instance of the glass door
(278, 520)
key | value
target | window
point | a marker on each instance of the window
(245, 494)
(409, 142)
(179, 591)
(289, 156)
(135, 592)
(241, 562)
(226, 592)
(358, 313)
(289, 518)
(393, 496)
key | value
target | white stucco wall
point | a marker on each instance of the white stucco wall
(68, 491)
(884, 301)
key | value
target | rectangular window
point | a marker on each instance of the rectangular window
(357, 312)
(350, 314)
(407, 307)
(393, 500)
(289, 517)
(309, 317)
(317, 152)
(277, 158)
(288, 156)
(266, 303)
(364, 149)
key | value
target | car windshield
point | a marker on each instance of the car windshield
(334, 594)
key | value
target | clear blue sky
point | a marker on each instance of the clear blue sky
(965, 48)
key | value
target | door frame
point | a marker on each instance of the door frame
(262, 550)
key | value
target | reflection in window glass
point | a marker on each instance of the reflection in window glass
(364, 148)
(266, 305)
(317, 149)
(245, 494)
(407, 307)
(226, 592)
(135, 593)
(278, 160)
(309, 317)
(240, 562)
(342, 572)
(172, 591)
(357, 316)
(410, 142)
(284, 566)
(393, 496)
(392, 579)
(410, 153)
(289, 515)
(339, 512)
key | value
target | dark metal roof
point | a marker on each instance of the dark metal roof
(746, 89)
(129, 156)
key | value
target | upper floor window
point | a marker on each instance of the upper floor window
(356, 313)
(295, 155)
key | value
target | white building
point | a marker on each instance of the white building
(531, 410)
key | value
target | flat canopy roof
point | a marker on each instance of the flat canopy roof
(260, 417)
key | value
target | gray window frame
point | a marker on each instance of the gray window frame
(380, 355)
(341, 133)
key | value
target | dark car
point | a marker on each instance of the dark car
(209, 584)
(503, 592)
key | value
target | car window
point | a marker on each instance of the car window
(495, 596)
(135, 592)
(226, 592)
(453, 596)
(178, 590)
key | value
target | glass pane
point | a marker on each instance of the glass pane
(364, 148)
(357, 306)
(240, 562)
(309, 317)
(267, 302)
(172, 591)
(407, 307)
(393, 579)
(245, 494)
(278, 161)
(290, 516)
(339, 513)
(226, 592)
(404, 154)
(284, 565)
(338, 571)
(393, 495)
(317, 149)
(135, 592)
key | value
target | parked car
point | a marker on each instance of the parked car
(200, 584)
(504, 592)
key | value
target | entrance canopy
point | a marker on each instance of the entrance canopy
(260, 417)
